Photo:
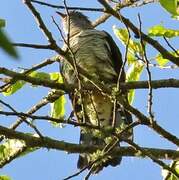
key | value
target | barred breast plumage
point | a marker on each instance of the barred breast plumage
(96, 53)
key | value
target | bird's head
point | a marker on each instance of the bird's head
(75, 22)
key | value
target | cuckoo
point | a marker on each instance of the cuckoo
(97, 54)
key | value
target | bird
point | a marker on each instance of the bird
(96, 53)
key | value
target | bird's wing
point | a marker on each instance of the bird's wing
(116, 56)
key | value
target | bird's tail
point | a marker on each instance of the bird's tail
(85, 160)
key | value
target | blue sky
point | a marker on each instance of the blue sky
(50, 164)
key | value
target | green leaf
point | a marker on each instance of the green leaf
(2, 23)
(133, 74)
(40, 75)
(4, 177)
(56, 76)
(123, 36)
(130, 58)
(19, 84)
(6, 45)
(172, 6)
(58, 107)
(160, 30)
(14, 88)
(162, 61)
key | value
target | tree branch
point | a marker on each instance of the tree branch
(49, 143)
(35, 46)
(163, 83)
(166, 54)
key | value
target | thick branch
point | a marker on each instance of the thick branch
(163, 83)
(49, 143)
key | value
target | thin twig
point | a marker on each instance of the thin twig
(155, 160)
(166, 40)
(23, 119)
(34, 68)
(121, 72)
(70, 8)
(35, 108)
(150, 95)
(35, 46)
(74, 62)
(76, 174)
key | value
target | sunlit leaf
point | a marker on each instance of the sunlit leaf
(40, 75)
(172, 6)
(130, 58)
(160, 30)
(19, 84)
(6, 45)
(58, 107)
(2, 23)
(14, 88)
(133, 74)
(4, 177)
(122, 35)
(162, 61)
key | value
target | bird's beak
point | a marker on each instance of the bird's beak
(61, 14)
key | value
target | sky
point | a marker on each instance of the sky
(55, 165)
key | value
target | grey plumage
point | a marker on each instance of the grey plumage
(96, 53)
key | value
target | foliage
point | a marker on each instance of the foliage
(135, 66)
(160, 30)
(4, 177)
(171, 6)
(58, 107)
(5, 43)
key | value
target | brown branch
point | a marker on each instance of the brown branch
(70, 8)
(27, 122)
(146, 121)
(137, 113)
(169, 45)
(35, 46)
(34, 109)
(144, 57)
(154, 159)
(43, 27)
(48, 118)
(34, 68)
(40, 22)
(144, 2)
(101, 19)
(49, 143)
(34, 81)
(163, 83)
